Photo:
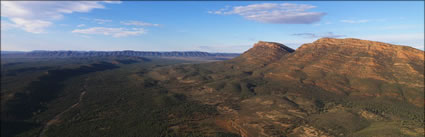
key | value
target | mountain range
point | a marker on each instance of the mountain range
(40, 53)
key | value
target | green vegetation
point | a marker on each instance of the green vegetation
(118, 96)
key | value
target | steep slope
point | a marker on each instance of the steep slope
(357, 68)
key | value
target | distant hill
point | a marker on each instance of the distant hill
(124, 53)
(11, 52)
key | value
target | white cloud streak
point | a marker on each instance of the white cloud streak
(285, 13)
(113, 1)
(81, 25)
(34, 26)
(101, 21)
(313, 35)
(36, 16)
(114, 32)
(139, 23)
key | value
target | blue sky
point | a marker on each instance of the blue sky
(212, 26)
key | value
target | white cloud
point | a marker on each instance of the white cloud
(101, 21)
(33, 26)
(113, 1)
(81, 25)
(355, 21)
(138, 23)
(36, 16)
(285, 13)
(46, 9)
(114, 32)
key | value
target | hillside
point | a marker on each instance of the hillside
(331, 87)
(95, 96)
(357, 68)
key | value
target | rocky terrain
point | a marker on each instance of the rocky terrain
(263, 53)
(331, 87)
(362, 68)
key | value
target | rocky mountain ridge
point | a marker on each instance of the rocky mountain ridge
(330, 87)
(263, 53)
(361, 67)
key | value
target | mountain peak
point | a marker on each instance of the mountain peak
(273, 45)
(263, 53)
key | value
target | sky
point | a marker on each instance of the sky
(211, 26)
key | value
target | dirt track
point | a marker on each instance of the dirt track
(57, 118)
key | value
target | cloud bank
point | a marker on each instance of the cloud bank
(285, 13)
